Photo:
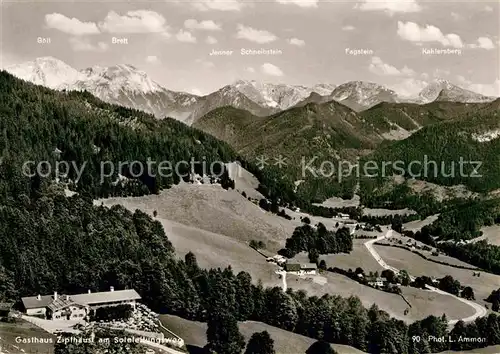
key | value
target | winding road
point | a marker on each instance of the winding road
(480, 311)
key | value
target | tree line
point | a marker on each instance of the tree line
(317, 239)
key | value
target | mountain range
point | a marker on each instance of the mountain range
(128, 86)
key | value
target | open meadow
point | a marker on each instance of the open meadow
(417, 225)
(424, 303)
(216, 250)
(211, 208)
(359, 257)
(490, 234)
(440, 257)
(417, 266)
(12, 336)
(284, 342)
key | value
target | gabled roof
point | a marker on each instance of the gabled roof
(308, 266)
(61, 303)
(106, 296)
(292, 267)
(32, 302)
(295, 267)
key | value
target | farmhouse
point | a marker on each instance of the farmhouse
(301, 269)
(71, 307)
(380, 281)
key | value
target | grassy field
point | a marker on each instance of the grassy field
(11, 335)
(244, 181)
(384, 212)
(216, 250)
(211, 208)
(194, 335)
(440, 257)
(416, 265)
(341, 203)
(359, 257)
(424, 303)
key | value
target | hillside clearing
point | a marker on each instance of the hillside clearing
(424, 303)
(335, 202)
(216, 250)
(359, 257)
(385, 212)
(490, 234)
(407, 241)
(417, 225)
(211, 208)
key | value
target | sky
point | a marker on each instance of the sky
(387, 42)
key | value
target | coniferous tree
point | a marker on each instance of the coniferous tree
(260, 343)
(223, 335)
(320, 347)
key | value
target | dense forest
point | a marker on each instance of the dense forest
(447, 153)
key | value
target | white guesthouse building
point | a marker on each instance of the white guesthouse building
(74, 307)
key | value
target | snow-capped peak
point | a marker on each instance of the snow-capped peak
(117, 78)
(443, 90)
(46, 71)
(281, 96)
(361, 95)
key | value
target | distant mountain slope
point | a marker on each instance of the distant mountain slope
(443, 90)
(473, 137)
(360, 95)
(46, 71)
(399, 120)
(327, 130)
(121, 84)
(314, 97)
(227, 96)
(125, 85)
(278, 96)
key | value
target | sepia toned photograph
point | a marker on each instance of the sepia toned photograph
(249, 177)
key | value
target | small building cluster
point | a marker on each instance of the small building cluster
(278, 259)
(301, 268)
(76, 307)
(377, 281)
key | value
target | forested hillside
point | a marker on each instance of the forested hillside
(315, 135)
(439, 149)
(411, 116)
(39, 124)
